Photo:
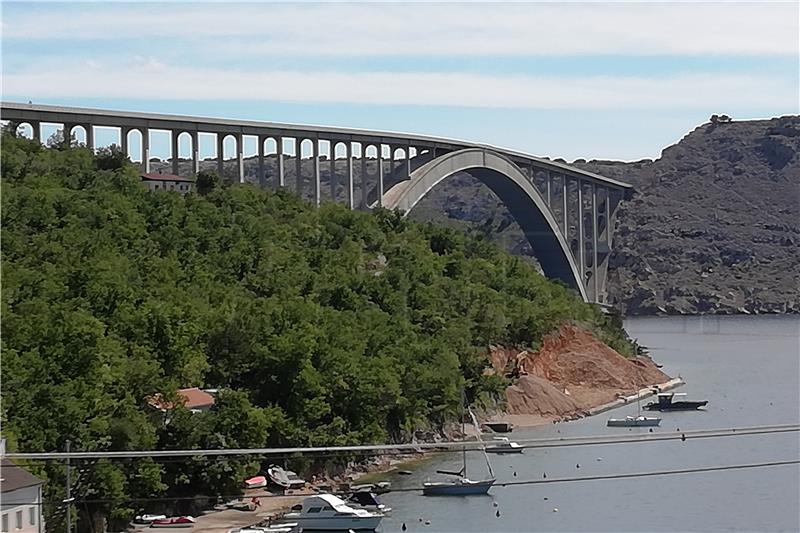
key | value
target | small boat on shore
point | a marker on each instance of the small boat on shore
(148, 518)
(256, 482)
(173, 522)
(503, 445)
(499, 427)
(634, 421)
(330, 513)
(285, 479)
(666, 402)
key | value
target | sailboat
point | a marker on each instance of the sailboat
(635, 421)
(462, 485)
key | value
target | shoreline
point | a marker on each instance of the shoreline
(272, 507)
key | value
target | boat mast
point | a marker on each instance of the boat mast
(463, 434)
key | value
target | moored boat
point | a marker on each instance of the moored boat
(460, 487)
(503, 445)
(369, 501)
(174, 521)
(666, 402)
(149, 518)
(330, 513)
(634, 421)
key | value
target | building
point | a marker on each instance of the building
(167, 182)
(194, 399)
(20, 499)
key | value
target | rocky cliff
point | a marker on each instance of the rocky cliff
(713, 228)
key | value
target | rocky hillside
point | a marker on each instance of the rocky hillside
(714, 226)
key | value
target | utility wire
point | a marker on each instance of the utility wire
(553, 442)
(606, 477)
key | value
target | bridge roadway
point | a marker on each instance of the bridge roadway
(567, 214)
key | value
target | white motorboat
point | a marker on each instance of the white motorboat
(331, 513)
(503, 445)
(634, 421)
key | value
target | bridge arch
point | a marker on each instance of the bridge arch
(514, 189)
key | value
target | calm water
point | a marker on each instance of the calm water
(749, 370)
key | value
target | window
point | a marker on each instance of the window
(5, 523)
(314, 510)
(19, 520)
(32, 516)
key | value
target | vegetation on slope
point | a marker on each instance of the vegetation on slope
(319, 326)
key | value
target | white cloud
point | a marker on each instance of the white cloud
(147, 78)
(434, 29)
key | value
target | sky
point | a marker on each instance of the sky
(572, 80)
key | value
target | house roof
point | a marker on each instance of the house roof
(13, 477)
(193, 398)
(156, 176)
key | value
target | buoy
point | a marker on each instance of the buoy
(555, 509)
(494, 504)
(427, 522)
(683, 437)
(515, 473)
(544, 475)
(577, 466)
(497, 514)
(403, 528)
(677, 429)
(599, 458)
(651, 430)
(420, 519)
(545, 498)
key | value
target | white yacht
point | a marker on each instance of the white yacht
(331, 513)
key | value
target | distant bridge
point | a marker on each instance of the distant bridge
(567, 214)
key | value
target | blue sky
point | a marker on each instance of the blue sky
(593, 80)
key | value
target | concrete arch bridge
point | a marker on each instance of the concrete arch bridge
(566, 214)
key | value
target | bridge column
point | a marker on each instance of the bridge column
(549, 189)
(364, 203)
(565, 190)
(595, 269)
(380, 175)
(281, 174)
(174, 142)
(315, 170)
(240, 156)
(146, 149)
(89, 136)
(408, 160)
(581, 238)
(221, 155)
(334, 178)
(349, 167)
(195, 153)
(299, 161)
(36, 130)
(123, 140)
(262, 177)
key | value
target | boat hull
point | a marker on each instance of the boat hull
(504, 450)
(337, 523)
(628, 423)
(457, 489)
(676, 406)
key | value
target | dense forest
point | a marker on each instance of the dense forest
(318, 325)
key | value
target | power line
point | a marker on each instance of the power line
(552, 442)
(606, 477)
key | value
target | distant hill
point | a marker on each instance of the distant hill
(714, 226)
